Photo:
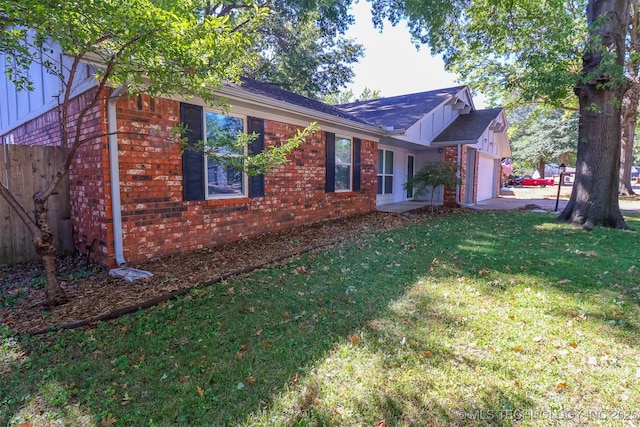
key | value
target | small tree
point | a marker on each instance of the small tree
(431, 176)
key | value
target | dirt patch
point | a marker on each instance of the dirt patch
(94, 295)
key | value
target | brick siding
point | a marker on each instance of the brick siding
(156, 220)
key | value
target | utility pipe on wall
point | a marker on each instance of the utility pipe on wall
(114, 171)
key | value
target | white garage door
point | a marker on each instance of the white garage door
(486, 178)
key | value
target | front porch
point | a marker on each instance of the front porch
(402, 207)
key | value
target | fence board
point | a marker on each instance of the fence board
(28, 169)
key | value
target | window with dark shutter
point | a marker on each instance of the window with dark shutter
(256, 183)
(357, 163)
(192, 161)
(331, 162)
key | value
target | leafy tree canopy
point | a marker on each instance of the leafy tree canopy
(547, 135)
(303, 49)
(517, 50)
(347, 96)
(157, 47)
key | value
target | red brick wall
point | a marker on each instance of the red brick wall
(451, 155)
(156, 220)
(89, 184)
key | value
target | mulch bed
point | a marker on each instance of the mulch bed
(94, 295)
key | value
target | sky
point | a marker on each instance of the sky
(391, 63)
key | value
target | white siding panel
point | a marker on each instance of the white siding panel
(18, 107)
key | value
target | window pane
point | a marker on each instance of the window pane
(388, 184)
(380, 162)
(343, 178)
(343, 151)
(222, 133)
(379, 186)
(388, 162)
(223, 179)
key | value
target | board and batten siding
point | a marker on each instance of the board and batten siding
(20, 106)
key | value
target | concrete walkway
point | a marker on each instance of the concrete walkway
(517, 198)
(545, 198)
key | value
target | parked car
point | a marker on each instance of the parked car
(527, 180)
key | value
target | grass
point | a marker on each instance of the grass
(477, 319)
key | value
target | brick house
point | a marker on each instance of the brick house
(136, 195)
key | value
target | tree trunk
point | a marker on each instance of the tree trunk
(542, 165)
(46, 249)
(594, 199)
(629, 120)
(630, 105)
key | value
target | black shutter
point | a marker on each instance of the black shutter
(357, 163)
(331, 162)
(192, 161)
(256, 183)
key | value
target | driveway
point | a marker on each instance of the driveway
(545, 198)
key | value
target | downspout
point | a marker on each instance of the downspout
(114, 170)
(458, 202)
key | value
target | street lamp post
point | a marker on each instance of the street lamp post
(562, 168)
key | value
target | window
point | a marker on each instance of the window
(224, 179)
(385, 172)
(343, 165)
(211, 179)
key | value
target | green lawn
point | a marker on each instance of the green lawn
(475, 319)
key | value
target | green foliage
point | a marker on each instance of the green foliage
(519, 50)
(231, 149)
(433, 175)
(302, 47)
(347, 96)
(166, 47)
(543, 134)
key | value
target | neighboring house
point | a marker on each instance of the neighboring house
(138, 196)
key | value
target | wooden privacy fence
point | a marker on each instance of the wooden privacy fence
(25, 170)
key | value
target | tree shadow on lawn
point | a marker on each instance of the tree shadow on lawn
(349, 333)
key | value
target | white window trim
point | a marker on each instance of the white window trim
(384, 174)
(350, 164)
(205, 159)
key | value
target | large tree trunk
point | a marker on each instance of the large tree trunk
(594, 199)
(629, 120)
(630, 105)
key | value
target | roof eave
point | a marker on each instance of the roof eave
(291, 108)
(455, 142)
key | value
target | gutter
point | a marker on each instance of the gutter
(114, 171)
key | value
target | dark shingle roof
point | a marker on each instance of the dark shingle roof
(399, 112)
(468, 127)
(274, 92)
